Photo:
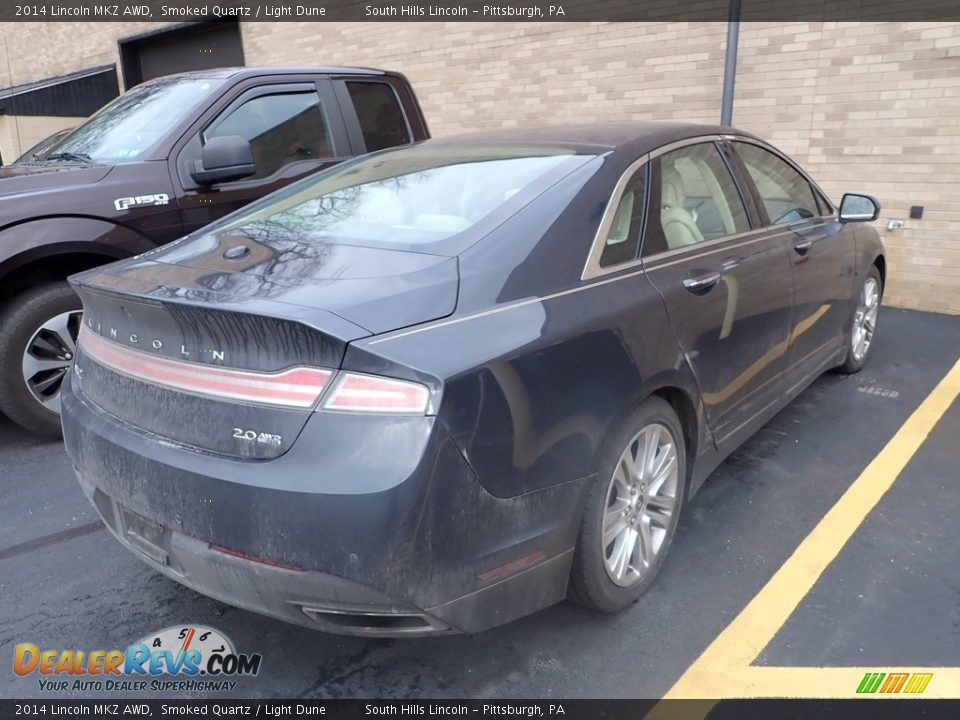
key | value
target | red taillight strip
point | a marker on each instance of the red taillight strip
(298, 387)
(369, 393)
(255, 558)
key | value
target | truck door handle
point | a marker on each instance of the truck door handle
(699, 284)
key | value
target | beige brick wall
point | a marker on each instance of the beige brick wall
(42, 50)
(471, 75)
(875, 107)
(863, 106)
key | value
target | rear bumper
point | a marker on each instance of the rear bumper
(303, 597)
(397, 542)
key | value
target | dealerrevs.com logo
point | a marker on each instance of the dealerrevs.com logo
(175, 659)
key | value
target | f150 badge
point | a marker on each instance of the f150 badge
(125, 203)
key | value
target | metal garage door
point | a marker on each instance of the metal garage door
(195, 47)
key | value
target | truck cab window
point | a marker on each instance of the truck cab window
(378, 110)
(282, 128)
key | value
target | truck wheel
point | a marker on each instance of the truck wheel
(38, 339)
(632, 511)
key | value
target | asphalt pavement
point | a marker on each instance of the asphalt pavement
(891, 596)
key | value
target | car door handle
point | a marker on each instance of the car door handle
(801, 246)
(699, 284)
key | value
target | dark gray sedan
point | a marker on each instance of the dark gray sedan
(442, 386)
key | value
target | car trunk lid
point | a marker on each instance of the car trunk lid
(379, 289)
(231, 361)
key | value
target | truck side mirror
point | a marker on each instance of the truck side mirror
(223, 159)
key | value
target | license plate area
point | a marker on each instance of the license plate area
(144, 535)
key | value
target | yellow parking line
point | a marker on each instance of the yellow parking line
(724, 669)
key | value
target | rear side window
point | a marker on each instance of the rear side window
(785, 193)
(694, 198)
(282, 128)
(381, 118)
(623, 237)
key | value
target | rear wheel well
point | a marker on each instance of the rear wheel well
(47, 269)
(684, 408)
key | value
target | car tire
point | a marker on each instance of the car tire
(863, 325)
(638, 507)
(45, 321)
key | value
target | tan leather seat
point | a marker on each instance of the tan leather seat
(679, 229)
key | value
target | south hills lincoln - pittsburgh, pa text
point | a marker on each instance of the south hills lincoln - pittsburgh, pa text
(255, 10)
(498, 11)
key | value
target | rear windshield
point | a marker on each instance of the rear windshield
(128, 127)
(415, 198)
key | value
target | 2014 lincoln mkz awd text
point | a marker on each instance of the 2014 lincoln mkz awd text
(443, 386)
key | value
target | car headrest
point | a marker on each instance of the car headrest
(672, 193)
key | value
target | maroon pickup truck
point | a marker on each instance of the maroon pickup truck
(162, 160)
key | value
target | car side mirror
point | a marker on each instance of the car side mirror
(858, 208)
(223, 159)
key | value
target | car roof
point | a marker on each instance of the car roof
(639, 136)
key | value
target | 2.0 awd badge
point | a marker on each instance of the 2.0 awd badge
(125, 203)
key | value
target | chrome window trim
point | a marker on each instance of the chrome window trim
(748, 237)
(677, 144)
(730, 242)
(592, 267)
(709, 246)
(512, 305)
(640, 266)
(721, 244)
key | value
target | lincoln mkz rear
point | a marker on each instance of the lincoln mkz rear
(443, 386)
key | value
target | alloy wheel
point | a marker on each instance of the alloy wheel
(865, 319)
(48, 357)
(641, 499)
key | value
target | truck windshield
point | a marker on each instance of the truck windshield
(412, 198)
(128, 127)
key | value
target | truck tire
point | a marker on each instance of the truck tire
(38, 337)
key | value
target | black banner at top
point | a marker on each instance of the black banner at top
(475, 10)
